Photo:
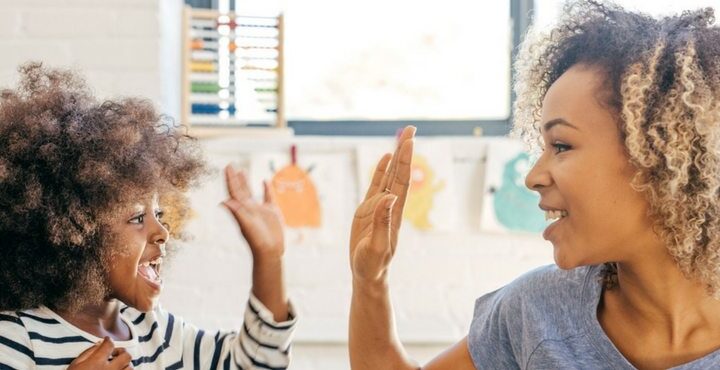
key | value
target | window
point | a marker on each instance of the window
(366, 67)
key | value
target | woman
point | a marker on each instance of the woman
(624, 111)
(84, 192)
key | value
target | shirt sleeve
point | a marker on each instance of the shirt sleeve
(489, 340)
(15, 348)
(261, 343)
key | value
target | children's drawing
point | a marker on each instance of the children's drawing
(316, 194)
(296, 195)
(424, 186)
(508, 205)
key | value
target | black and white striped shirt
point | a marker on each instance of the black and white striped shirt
(40, 339)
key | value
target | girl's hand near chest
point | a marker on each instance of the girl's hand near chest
(103, 355)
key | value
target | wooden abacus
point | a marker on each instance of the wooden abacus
(232, 70)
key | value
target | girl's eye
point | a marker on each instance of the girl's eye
(139, 219)
(159, 215)
(559, 147)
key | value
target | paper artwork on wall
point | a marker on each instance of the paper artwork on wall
(508, 205)
(310, 189)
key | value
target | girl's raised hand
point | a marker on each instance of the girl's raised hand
(260, 222)
(375, 228)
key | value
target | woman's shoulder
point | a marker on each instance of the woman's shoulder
(550, 283)
(547, 303)
(546, 295)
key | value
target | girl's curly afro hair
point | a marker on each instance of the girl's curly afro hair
(67, 163)
(662, 81)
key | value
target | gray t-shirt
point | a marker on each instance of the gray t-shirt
(546, 319)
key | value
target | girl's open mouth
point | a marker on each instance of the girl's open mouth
(150, 271)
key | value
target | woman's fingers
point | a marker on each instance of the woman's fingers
(382, 218)
(401, 180)
(407, 134)
(377, 178)
(372, 259)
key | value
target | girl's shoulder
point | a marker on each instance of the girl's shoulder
(28, 318)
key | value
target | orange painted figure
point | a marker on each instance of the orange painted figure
(296, 195)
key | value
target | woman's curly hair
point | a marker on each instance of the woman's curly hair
(68, 163)
(662, 82)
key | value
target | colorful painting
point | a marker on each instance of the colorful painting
(296, 195)
(508, 205)
(316, 194)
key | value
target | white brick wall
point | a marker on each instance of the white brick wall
(114, 43)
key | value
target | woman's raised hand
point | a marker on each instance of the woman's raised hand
(375, 228)
(260, 222)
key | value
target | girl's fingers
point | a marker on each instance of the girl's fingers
(237, 209)
(236, 183)
(87, 353)
(104, 350)
(245, 191)
(233, 184)
(269, 197)
(121, 361)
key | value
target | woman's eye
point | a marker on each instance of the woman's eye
(559, 147)
(159, 215)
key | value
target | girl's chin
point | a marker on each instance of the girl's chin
(146, 305)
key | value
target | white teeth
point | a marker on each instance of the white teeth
(156, 261)
(554, 215)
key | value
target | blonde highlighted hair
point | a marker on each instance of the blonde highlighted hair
(662, 81)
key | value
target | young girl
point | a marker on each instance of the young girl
(83, 189)
(625, 110)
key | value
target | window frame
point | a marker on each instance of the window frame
(521, 12)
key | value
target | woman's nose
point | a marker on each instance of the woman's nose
(539, 177)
